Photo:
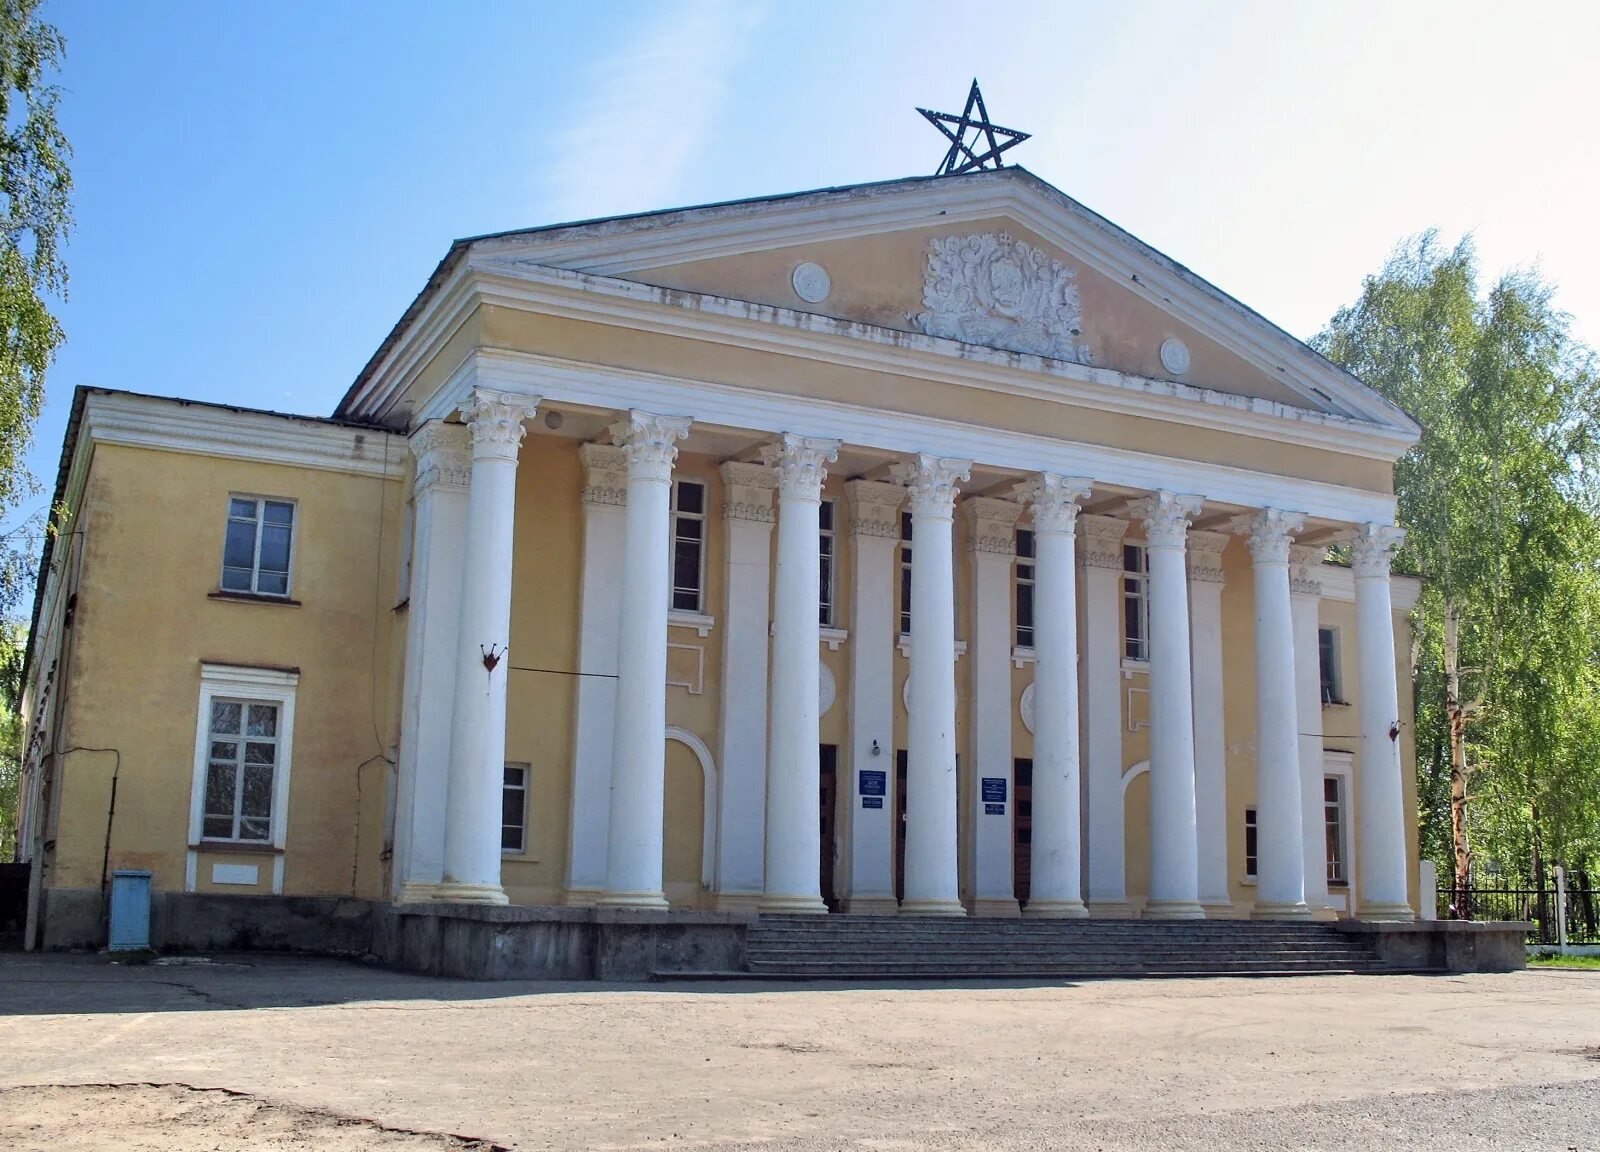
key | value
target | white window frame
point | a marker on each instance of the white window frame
(255, 559)
(1250, 825)
(1342, 765)
(267, 686)
(1333, 693)
(1025, 579)
(672, 554)
(1140, 595)
(828, 557)
(903, 574)
(527, 773)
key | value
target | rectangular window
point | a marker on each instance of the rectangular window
(1250, 843)
(514, 810)
(1333, 821)
(257, 546)
(1328, 663)
(825, 549)
(688, 545)
(241, 760)
(905, 573)
(1135, 603)
(1024, 588)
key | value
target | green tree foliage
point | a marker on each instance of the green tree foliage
(35, 217)
(1501, 502)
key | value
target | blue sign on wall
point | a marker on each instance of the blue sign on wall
(994, 789)
(874, 783)
(872, 801)
(994, 809)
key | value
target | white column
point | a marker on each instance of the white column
(433, 613)
(478, 726)
(1055, 884)
(794, 843)
(1305, 592)
(1210, 737)
(874, 627)
(1382, 830)
(1174, 864)
(605, 498)
(992, 538)
(742, 758)
(1100, 559)
(1280, 828)
(638, 772)
(931, 877)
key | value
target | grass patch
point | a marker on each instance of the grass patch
(1554, 960)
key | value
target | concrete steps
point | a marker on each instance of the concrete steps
(931, 948)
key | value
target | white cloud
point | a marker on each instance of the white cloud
(646, 109)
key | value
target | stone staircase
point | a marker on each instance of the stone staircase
(930, 948)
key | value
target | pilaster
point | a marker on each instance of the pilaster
(1210, 738)
(1100, 570)
(1305, 593)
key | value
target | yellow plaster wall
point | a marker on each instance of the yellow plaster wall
(695, 359)
(153, 523)
(878, 280)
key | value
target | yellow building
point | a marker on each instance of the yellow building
(931, 546)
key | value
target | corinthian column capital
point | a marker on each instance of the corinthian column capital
(605, 474)
(1269, 532)
(495, 421)
(800, 465)
(1373, 549)
(1166, 517)
(747, 491)
(875, 508)
(1053, 500)
(931, 482)
(444, 456)
(991, 525)
(650, 443)
(1305, 566)
(1205, 556)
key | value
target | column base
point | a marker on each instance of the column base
(1055, 910)
(778, 904)
(1220, 910)
(643, 901)
(583, 897)
(1393, 912)
(737, 902)
(994, 907)
(416, 893)
(1173, 910)
(1326, 915)
(456, 892)
(1280, 912)
(871, 906)
(1110, 910)
(932, 908)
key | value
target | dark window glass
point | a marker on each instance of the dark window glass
(1250, 842)
(1328, 664)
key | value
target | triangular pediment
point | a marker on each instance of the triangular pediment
(995, 262)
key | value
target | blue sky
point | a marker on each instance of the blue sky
(261, 189)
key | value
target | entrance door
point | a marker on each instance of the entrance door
(828, 799)
(900, 762)
(1021, 828)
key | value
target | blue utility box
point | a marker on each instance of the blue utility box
(130, 911)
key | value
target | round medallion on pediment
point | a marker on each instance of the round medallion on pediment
(1174, 355)
(811, 282)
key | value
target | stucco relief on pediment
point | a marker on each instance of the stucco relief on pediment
(991, 289)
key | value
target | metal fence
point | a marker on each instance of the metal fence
(1570, 902)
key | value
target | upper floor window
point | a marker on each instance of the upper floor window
(688, 545)
(258, 546)
(514, 810)
(1333, 821)
(905, 573)
(1024, 588)
(241, 760)
(825, 545)
(1135, 603)
(1328, 665)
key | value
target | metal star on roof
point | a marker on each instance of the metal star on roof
(964, 157)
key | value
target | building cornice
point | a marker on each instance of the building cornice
(869, 347)
(583, 385)
(263, 437)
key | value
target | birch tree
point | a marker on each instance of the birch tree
(1499, 501)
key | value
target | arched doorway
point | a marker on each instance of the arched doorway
(688, 845)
